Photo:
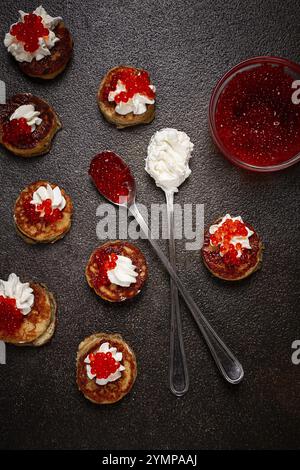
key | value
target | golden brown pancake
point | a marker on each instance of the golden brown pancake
(113, 292)
(251, 259)
(55, 63)
(38, 326)
(41, 137)
(112, 391)
(41, 232)
(107, 108)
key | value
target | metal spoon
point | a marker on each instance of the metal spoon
(179, 377)
(103, 170)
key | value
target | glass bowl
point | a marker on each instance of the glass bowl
(290, 68)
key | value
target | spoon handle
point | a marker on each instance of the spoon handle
(179, 378)
(228, 365)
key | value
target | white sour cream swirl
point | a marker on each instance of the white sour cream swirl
(46, 43)
(167, 161)
(28, 112)
(124, 273)
(118, 356)
(244, 241)
(13, 288)
(136, 104)
(46, 192)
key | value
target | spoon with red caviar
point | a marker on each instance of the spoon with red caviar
(114, 180)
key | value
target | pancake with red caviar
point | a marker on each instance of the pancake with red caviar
(34, 329)
(112, 391)
(135, 81)
(16, 135)
(223, 252)
(54, 64)
(41, 223)
(102, 261)
(40, 43)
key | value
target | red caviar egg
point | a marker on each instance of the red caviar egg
(42, 212)
(11, 318)
(103, 364)
(17, 132)
(135, 81)
(111, 176)
(223, 235)
(255, 117)
(30, 212)
(214, 240)
(105, 262)
(30, 31)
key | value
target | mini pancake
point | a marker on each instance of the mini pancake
(38, 326)
(107, 108)
(55, 63)
(251, 258)
(43, 134)
(113, 292)
(41, 232)
(112, 391)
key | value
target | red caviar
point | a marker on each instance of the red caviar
(29, 31)
(17, 132)
(105, 262)
(11, 318)
(255, 117)
(135, 81)
(112, 177)
(42, 212)
(103, 364)
(223, 236)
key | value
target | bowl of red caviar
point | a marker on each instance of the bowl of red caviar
(253, 115)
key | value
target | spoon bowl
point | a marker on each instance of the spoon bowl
(113, 178)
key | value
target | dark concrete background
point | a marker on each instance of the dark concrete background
(187, 46)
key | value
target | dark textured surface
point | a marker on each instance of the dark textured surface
(187, 46)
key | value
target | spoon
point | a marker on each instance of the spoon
(179, 377)
(178, 373)
(114, 181)
(169, 181)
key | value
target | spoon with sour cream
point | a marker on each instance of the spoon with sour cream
(114, 180)
(167, 162)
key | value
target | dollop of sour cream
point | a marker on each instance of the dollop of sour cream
(13, 288)
(46, 43)
(124, 273)
(167, 161)
(118, 356)
(244, 241)
(28, 112)
(46, 192)
(136, 104)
